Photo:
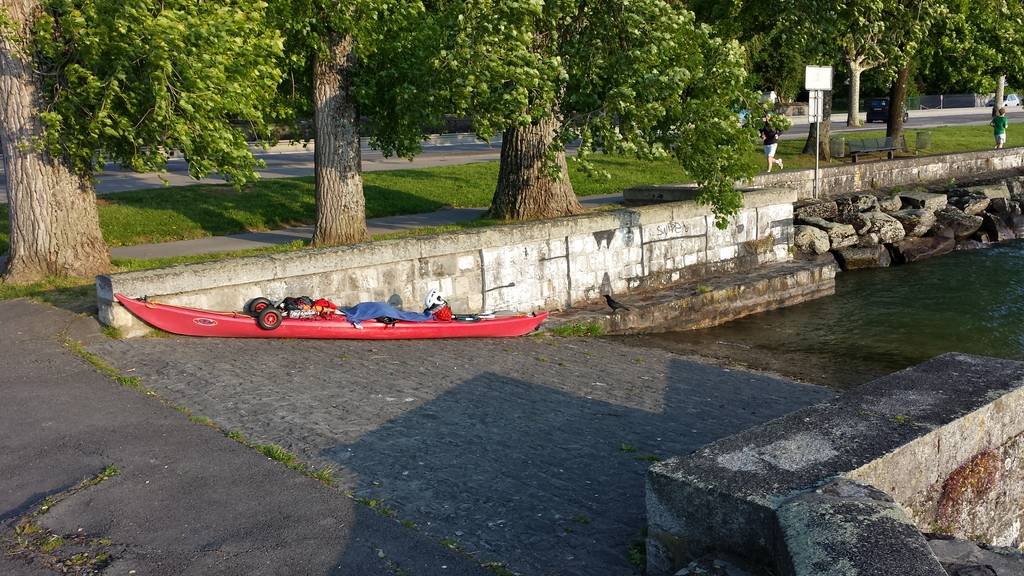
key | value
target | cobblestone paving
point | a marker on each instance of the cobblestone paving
(530, 451)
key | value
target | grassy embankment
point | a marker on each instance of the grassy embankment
(180, 213)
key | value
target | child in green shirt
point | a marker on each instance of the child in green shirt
(999, 124)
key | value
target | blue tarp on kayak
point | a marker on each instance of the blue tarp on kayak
(370, 310)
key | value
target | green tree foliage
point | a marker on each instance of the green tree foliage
(307, 27)
(639, 77)
(972, 44)
(397, 82)
(135, 80)
(393, 80)
(778, 40)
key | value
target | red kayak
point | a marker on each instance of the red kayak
(194, 322)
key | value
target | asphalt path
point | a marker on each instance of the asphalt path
(187, 499)
(288, 161)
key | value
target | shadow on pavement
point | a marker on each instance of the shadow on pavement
(550, 480)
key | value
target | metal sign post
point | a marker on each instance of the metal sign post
(814, 110)
(817, 79)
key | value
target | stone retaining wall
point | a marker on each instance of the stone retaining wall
(711, 301)
(550, 264)
(847, 179)
(848, 486)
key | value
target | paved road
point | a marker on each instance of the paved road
(530, 451)
(289, 161)
(187, 500)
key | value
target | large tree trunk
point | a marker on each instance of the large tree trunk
(54, 227)
(856, 69)
(997, 101)
(897, 98)
(340, 205)
(826, 130)
(527, 187)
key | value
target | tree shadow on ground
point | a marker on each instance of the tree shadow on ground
(77, 295)
(384, 201)
(213, 209)
(414, 191)
(549, 481)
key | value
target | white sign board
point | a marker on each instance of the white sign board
(818, 78)
(814, 106)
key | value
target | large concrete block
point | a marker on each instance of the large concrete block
(113, 314)
(848, 529)
(774, 218)
(905, 434)
(760, 191)
(930, 201)
(990, 191)
(839, 180)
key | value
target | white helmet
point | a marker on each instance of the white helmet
(433, 299)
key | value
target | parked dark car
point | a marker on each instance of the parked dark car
(878, 110)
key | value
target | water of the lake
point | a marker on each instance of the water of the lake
(878, 322)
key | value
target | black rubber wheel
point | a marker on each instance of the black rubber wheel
(269, 318)
(256, 305)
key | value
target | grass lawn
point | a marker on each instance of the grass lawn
(944, 140)
(163, 215)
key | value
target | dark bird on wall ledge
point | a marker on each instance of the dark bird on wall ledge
(615, 306)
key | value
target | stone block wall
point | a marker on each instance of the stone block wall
(550, 264)
(848, 179)
(848, 486)
(968, 479)
(839, 180)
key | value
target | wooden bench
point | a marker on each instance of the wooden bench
(871, 145)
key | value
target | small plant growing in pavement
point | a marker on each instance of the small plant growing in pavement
(202, 420)
(325, 475)
(637, 553)
(75, 553)
(275, 452)
(451, 544)
(578, 329)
